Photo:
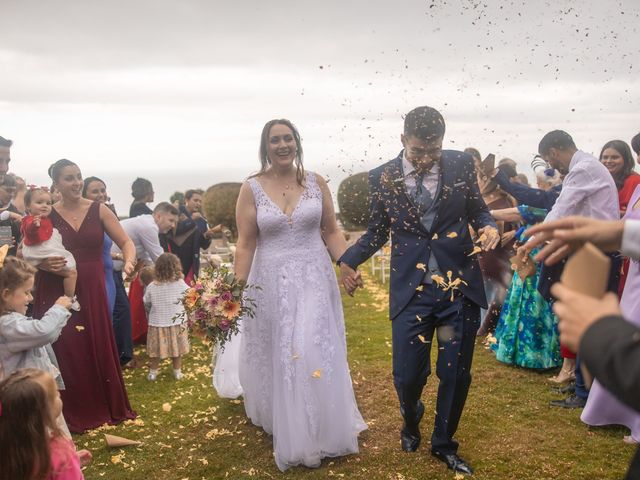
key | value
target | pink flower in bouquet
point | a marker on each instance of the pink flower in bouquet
(224, 325)
(226, 296)
(231, 309)
(200, 315)
(211, 299)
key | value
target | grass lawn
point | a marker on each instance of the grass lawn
(508, 431)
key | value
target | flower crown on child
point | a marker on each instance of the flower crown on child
(33, 187)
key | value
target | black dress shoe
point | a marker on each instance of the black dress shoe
(572, 401)
(568, 389)
(454, 462)
(410, 434)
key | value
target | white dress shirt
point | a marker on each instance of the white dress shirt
(429, 181)
(588, 190)
(144, 231)
(631, 239)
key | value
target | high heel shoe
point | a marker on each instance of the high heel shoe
(563, 377)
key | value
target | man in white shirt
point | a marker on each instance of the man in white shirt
(143, 231)
(588, 190)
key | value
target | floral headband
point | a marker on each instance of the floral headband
(33, 187)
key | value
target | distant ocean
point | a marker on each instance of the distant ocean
(166, 182)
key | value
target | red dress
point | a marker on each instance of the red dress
(86, 350)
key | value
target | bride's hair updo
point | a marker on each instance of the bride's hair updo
(264, 142)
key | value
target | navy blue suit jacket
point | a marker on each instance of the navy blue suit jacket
(534, 197)
(393, 211)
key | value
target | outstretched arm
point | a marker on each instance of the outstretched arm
(478, 213)
(564, 236)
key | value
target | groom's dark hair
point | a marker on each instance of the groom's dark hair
(426, 123)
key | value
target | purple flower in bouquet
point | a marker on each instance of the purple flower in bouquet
(224, 325)
(226, 296)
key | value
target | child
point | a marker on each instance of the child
(33, 447)
(166, 337)
(42, 241)
(26, 342)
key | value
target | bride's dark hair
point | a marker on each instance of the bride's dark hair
(264, 142)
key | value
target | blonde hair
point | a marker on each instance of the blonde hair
(168, 268)
(14, 273)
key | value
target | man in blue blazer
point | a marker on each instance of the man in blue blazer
(426, 198)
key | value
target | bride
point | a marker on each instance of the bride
(292, 356)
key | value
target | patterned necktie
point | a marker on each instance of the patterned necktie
(421, 195)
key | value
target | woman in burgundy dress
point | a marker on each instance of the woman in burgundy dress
(86, 351)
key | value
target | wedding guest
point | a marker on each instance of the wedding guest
(25, 341)
(607, 343)
(95, 190)
(5, 157)
(616, 157)
(167, 336)
(142, 193)
(427, 198)
(143, 231)
(190, 236)
(95, 393)
(33, 445)
(18, 195)
(526, 335)
(293, 358)
(10, 218)
(602, 407)
(494, 264)
(587, 189)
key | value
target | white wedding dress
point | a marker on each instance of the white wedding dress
(293, 357)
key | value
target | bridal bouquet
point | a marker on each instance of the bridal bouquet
(215, 303)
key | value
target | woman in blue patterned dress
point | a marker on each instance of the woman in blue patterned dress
(527, 332)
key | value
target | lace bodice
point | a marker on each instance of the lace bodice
(280, 235)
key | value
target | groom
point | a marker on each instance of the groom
(427, 198)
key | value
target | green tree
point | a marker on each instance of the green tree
(353, 201)
(220, 205)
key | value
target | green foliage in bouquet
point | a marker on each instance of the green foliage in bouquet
(220, 205)
(353, 201)
(214, 304)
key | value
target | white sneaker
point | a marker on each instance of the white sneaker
(152, 376)
(75, 305)
(178, 374)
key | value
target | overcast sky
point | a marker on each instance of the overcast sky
(178, 91)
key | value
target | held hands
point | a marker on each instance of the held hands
(577, 312)
(562, 237)
(350, 278)
(489, 238)
(65, 302)
(129, 267)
